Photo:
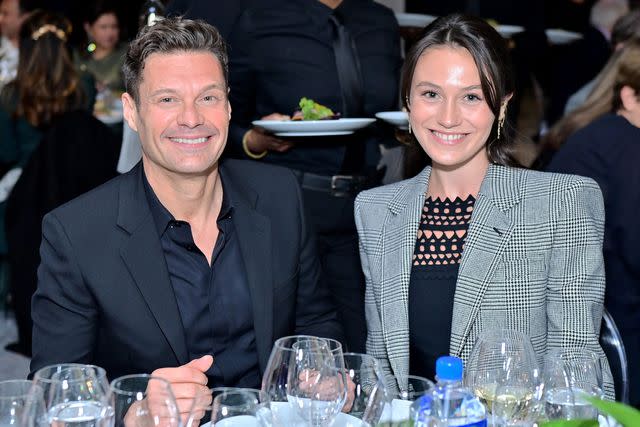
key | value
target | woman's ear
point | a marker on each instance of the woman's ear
(629, 98)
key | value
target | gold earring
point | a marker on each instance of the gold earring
(501, 117)
(409, 124)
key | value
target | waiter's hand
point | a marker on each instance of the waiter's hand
(188, 382)
(259, 141)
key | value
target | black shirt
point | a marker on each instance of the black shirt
(283, 51)
(213, 300)
(436, 261)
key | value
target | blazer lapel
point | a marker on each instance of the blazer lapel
(489, 232)
(254, 236)
(144, 258)
(399, 236)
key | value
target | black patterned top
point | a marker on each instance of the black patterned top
(441, 235)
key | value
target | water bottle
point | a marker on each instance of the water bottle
(457, 405)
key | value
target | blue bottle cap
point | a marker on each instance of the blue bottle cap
(449, 368)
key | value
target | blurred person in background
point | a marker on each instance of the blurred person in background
(46, 89)
(575, 64)
(597, 104)
(625, 28)
(605, 146)
(12, 13)
(103, 56)
(222, 15)
(345, 55)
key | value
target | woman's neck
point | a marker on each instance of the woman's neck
(460, 182)
(100, 53)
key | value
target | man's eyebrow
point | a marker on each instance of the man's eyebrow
(167, 90)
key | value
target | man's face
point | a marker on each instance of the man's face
(10, 19)
(182, 115)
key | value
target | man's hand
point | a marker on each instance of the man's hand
(259, 141)
(188, 382)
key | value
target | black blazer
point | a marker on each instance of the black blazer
(104, 295)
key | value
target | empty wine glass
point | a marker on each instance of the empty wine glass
(305, 381)
(503, 373)
(75, 393)
(570, 375)
(414, 392)
(366, 389)
(144, 401)
(21, 404)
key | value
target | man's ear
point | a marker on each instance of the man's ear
(130, 111)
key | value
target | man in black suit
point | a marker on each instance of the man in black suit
(185, 257)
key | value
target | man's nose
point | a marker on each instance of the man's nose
(190, 115)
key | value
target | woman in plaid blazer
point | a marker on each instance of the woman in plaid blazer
(532, 257)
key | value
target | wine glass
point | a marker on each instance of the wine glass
(144, 400)
(366, 389)
(21, 404)
(413, 401)
(305, 381)
(570, 375)
(76, 393)
(503, 373)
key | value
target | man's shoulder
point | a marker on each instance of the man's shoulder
(101, 199)
(258, 174)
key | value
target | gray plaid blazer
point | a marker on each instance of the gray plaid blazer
(532, 261)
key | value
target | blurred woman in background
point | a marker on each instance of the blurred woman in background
(51, 149)
(104, 55)
(606, 147)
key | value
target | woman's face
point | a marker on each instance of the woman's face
(105, 31)
(448, 113)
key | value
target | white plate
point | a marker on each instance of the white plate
(396, 118)
(507, 31)
(112, 118)
(313, 127)
(559, 36)
(285, 416)
(414, 19)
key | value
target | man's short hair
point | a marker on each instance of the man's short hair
(171, 35)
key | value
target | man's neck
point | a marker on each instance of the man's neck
(331, 3)
(195, 199)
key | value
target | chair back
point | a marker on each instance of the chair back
(611, 343)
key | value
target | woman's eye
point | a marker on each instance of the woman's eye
(472, 97)
(429, 94)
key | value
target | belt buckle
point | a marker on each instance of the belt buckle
(347, 190)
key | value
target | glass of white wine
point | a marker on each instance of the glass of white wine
(503, 372)
(570, 375)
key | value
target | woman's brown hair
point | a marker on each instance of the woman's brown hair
(47, 83)
(490, 53)
(623, 69)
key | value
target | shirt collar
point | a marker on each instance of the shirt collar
(161, 215)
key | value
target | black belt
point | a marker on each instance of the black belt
(336, 185)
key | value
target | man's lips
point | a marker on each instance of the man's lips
(190, 139)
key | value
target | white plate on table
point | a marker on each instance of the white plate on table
(560, 36)
(416, 20)
(286, 416)
(508, 31)
(313, 127)
(396, 118)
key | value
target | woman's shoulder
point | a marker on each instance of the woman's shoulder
(532, 183)
(385, 194)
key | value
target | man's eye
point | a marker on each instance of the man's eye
(166, 99)
(210, 98)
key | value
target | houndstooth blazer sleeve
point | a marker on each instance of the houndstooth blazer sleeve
(532, 261)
